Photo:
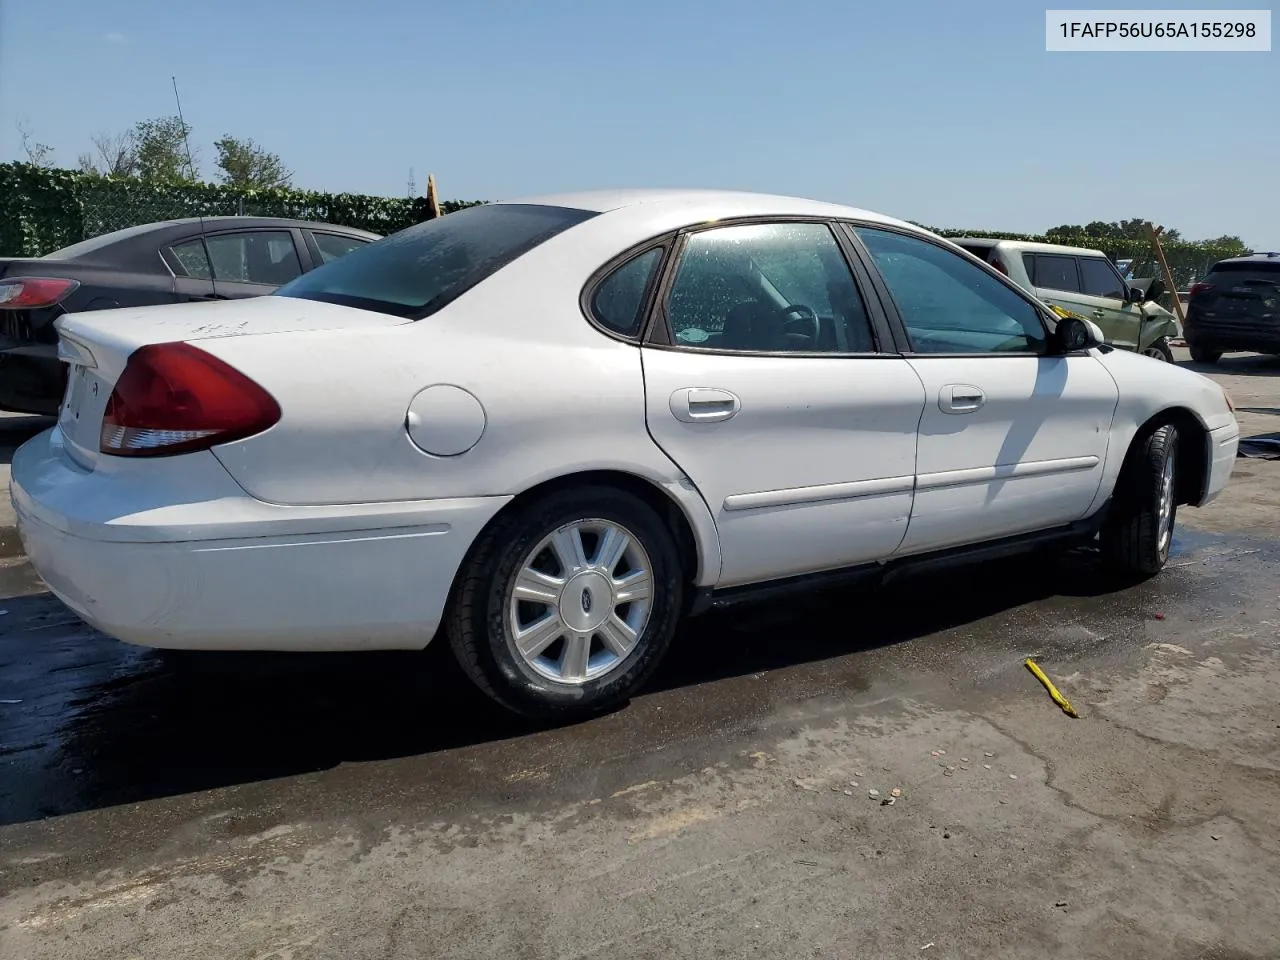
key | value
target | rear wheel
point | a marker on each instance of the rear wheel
(1159, 350)
(566, 606)
(1205, 355)
(1138, 531)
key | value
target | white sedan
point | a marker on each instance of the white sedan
(549, 429)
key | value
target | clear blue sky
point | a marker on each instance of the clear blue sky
(942, 111)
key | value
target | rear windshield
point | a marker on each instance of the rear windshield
(1267, 268)
(100, 242)
(418, 271)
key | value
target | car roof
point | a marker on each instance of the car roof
(702, 205)
(134, 248)
(232, 223)
(1252, 258)
(1027, 246)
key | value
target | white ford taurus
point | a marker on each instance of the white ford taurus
(548, 429)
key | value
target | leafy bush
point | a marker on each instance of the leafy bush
(42, 210)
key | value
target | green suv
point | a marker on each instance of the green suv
(1086, 283)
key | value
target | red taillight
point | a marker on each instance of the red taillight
(1199, 288)
(175, 398)
(29, 293)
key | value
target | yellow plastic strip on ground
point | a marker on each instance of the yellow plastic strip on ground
(1058, 698)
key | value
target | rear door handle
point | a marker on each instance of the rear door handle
(704, 404)
(1099, 313)
(960, 398)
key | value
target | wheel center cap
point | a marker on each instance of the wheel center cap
(586, 602)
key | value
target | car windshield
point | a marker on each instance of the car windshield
(418, 271)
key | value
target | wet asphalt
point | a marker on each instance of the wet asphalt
(91, 724)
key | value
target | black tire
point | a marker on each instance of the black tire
(1132, 546)
(477, 624)
(1205, 355)
(1159, 350)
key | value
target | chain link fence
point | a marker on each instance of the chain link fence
(102, 213)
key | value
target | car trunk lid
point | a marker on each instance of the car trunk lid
(97, 345)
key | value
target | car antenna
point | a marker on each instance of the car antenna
(191, 167)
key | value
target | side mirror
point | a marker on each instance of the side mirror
(1076, 333)
(1145, 290)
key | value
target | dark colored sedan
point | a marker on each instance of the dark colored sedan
(174, 261)
(1235, 307)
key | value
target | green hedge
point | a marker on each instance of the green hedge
(42, 210)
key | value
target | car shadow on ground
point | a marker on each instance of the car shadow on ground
(1238, 365)
(103, 723)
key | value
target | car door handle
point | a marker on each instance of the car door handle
(960, 398)
(1099, 313)
(704, 404)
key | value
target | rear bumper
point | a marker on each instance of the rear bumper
(1222, 458)
(1260, 335)
(226, 572)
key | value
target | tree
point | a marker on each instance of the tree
(1228, 246)
(113, 155)
(1117, 230)
(242, 163)
(38, 154)
(162, 150)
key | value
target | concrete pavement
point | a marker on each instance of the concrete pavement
(372, 807)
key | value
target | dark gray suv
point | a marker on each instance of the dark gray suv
(1235, 307)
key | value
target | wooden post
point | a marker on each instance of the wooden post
(1155, 232)
(433, 201)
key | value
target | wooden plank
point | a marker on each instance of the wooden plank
(433, 201)
(1154, 232)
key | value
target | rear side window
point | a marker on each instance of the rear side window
(618, 302)
(332, 245)
(192, 258)
(265, 257)
(420, 270)
(1055, 272)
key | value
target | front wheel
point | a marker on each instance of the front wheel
(1138, 531)
(566, 606)
(1159, 350)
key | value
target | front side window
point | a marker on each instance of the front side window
(947, 304)
(1099, 279)
(423, 268)
(619, 299)
(770, 287)
(1055, 272)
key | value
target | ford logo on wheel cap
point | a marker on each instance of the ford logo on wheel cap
(586, 601)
